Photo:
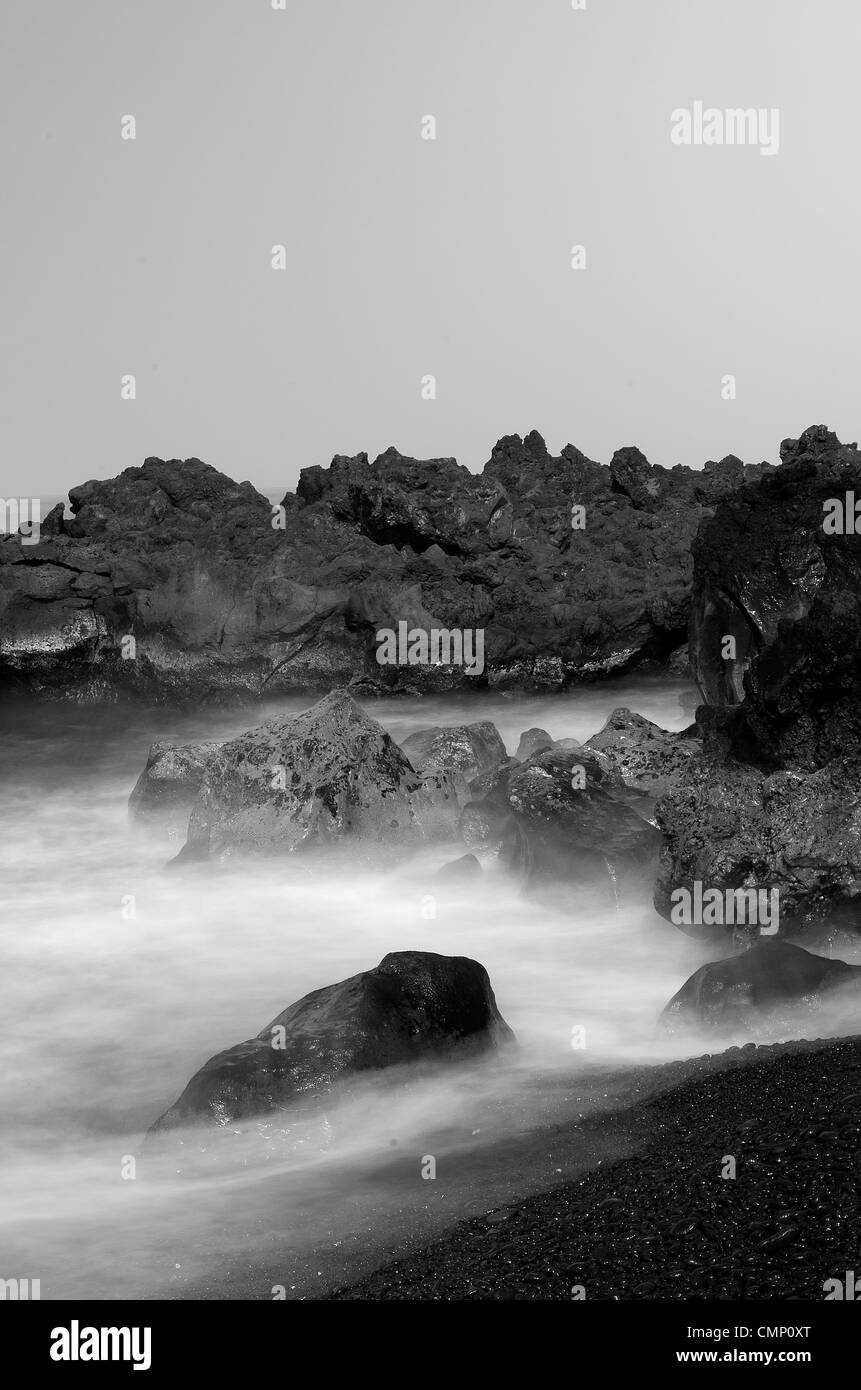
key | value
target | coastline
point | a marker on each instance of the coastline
(661, 1222)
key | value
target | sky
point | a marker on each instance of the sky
(408, 258)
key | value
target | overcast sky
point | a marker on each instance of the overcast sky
(408, 257)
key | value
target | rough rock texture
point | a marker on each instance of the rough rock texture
(774, 800)
(328, 773)
(767, 574)
(548, 832)
(221, 603)
(771, 978)
(532, 741)
(732, 826)
(463, 751)
(171, 780)
(414, 1006)
(646, 755)
(576, 834)
(679, 663)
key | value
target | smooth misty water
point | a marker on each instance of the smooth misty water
(107, 1015)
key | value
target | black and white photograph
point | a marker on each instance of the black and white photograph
(430, 654)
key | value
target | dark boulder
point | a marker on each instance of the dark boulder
(576, 819)
(768, 982)
(768, 575)
(415, 1006)
(562, 820)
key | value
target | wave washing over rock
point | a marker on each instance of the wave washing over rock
(627, 886)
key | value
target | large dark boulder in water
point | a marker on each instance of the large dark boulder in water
(769, 575)
(415, 1006)
(324, 775)
(570, 794)
(562, 820)
(772, 980)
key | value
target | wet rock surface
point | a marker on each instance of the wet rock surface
(664, 1223)
(532, 741)
(772, 979)
(771, 797)
(414, 1006)
(730, 825)
(646, 755)
(327, 774)
(768, 574)
(171, 780)
(463, 751)
(223, 604)
(563, 818)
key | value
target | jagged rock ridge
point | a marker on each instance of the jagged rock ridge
(220, 602)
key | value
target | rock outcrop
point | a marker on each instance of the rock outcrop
(415, 1006)
(787, 591)
(732, 826)
(174, 583)
(775, 642)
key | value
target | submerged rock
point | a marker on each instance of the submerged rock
(743, 990)
(415, 1006)
(562, 820)
(326, 774)
(578, 821)
(494, 836)
(460, 870)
